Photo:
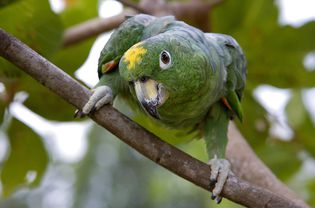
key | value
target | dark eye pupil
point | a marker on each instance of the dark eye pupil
(165, 58)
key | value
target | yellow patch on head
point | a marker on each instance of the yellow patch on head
(133, 55)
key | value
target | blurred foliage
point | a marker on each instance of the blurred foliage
(301, 122)
(6, 2)
(71, 58)
(275, 56)
(27, 160)
(113, 175)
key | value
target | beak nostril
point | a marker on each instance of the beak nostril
(143, 79)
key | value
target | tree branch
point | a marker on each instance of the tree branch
(246, 165)
(131, 133)
(194, 9)
(134, 6)
(93, 27)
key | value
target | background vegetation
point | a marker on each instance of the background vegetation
(110, 174)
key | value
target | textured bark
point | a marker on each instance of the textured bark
(246, 165)
(131, 133)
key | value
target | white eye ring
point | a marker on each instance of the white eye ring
(165, 59)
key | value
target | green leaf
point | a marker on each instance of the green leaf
(2, 110)
(301, 122)
(255, 126)
(86, 8)
(44, 102)
(272, 50)
(71, 58)
(281, 157)
(33, 22)
(41, 29)
(27, 160)
(311, 190)
(6, 2)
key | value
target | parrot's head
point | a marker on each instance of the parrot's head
(164, 73)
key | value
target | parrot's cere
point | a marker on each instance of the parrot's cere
(176, 81)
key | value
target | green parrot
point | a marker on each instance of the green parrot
(177, 81)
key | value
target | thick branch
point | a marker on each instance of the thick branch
(144, 142)
(246, 165)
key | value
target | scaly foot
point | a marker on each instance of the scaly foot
(220, 169)
(102, 95)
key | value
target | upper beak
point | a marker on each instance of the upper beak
(151, 95)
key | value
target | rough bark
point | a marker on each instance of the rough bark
(131, 133)
(246, 165)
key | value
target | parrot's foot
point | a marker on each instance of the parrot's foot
(220, 169)
(102, 95)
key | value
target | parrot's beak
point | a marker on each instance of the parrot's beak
(151, 95)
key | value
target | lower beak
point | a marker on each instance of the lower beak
(151, 95)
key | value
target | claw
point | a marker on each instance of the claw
(220, 169)
(213, 196)
(101, 96)
(218, 199)
(78, 114)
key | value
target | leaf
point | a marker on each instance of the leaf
(40, 28)
(36, 25)
(274, 52)
(301, 122)
(311, 190)
(44, 102)
(255, 126)
(71, 58)
(27, 160)
(6, 2)
(281, 157)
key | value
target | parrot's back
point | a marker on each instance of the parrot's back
(234, 61)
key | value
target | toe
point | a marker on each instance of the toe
(78, 114)
(108, 98)
(214, 171)
(220, 169)
(101, 95)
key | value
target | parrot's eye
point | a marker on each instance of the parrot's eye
(165, 60)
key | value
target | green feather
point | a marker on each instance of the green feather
(215, 130)
(235, 104)
(205, 67)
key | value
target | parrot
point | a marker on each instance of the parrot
(179, 83)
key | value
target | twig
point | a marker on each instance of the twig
(131, 133)
(134, 6)
(93, 27)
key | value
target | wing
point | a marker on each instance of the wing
(129, 33)
(235, 67)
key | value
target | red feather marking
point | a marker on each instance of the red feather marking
(109, 66)
(226, 103)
